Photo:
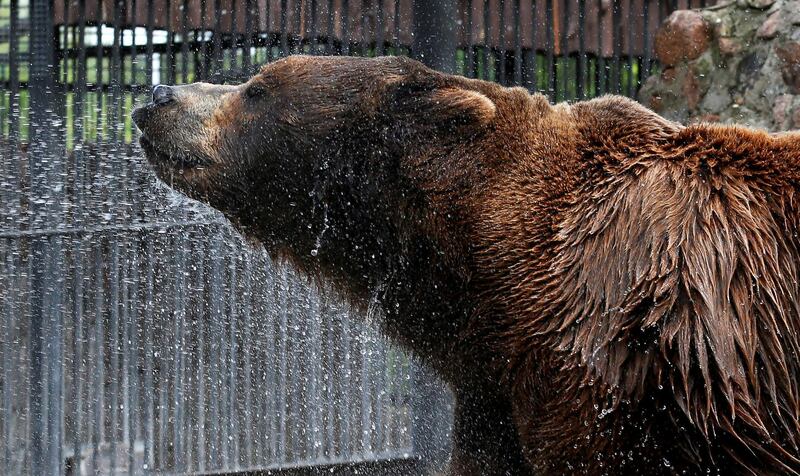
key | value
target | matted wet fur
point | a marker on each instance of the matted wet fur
(606, 292)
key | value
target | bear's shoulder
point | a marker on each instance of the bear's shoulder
(677, 268)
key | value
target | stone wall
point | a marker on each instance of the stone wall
(733, 63)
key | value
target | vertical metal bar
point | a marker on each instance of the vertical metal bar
(99, 355)
(365, 390)
(178, 353)
(149, 368)
(77, 316)
(62, 54)
(295, 352)
(215, 354)
(185, 41)
(133, 56)
(100, 99)
(247, 345)
(269, 36)
(184, 394)
(345, 377)
(80, 77)
(124, 351)
(116, 73)
(45, 419)
(9, 321)
(488, 62)
(345, 19)
(7, 313)
(270, 377)
(234, 35)
(563, 48)
(166, 369)
(616, 78)
(329, 45)
(364, 46)
(249, 13)
(13, 98)
(517, 44)
(315, 391)
(113, 187)
(428, 434)
(648, 62)
(151, 19)
(114, 344)
(205, 65)
(550, 45)
(223, 379)
(170, 43)
(297, 37)
(581, 72)
(631, 82)
(133, 354)
(189, 356)
(380, 396)
(283, 338)
(330, 366)
(311, 35)
(600, 68)
(660, 9)
(469, 48)
(55, 359)
(284, 35)
(435, 34)
(232, 442)
(396, 34)
(380, 46)
(257, 266)
(13, 314)
(201, 382)
(503, 51)
(532, 55)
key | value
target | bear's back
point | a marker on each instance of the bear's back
(666, 270)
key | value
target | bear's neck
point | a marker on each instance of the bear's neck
(367, 229)
(371, 233)
(384, 240)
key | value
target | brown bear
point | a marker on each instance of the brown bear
(606, 291)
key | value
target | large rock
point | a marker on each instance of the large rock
(684, 36)
(733, 63)
(789, 55)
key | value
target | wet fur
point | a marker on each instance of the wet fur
(659, 319)
(604, 290)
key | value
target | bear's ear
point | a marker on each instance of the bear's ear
(442, 106)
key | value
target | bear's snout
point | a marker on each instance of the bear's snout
(163, 95)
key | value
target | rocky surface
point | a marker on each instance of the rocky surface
(733, 63)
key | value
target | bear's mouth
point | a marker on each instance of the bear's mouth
(178, 161)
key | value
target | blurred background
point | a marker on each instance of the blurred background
(138, 332)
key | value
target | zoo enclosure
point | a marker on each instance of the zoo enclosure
(137, 332)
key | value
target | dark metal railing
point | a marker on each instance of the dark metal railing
(177, 346)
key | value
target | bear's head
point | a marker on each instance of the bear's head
(319, 151)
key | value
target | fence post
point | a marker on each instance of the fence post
(435, 39)
(46, 319)
(432, 420)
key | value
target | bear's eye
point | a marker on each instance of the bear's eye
(255, 90)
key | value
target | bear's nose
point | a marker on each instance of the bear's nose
(163, 94)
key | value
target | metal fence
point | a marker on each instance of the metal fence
(167, 344)
(138, 332)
